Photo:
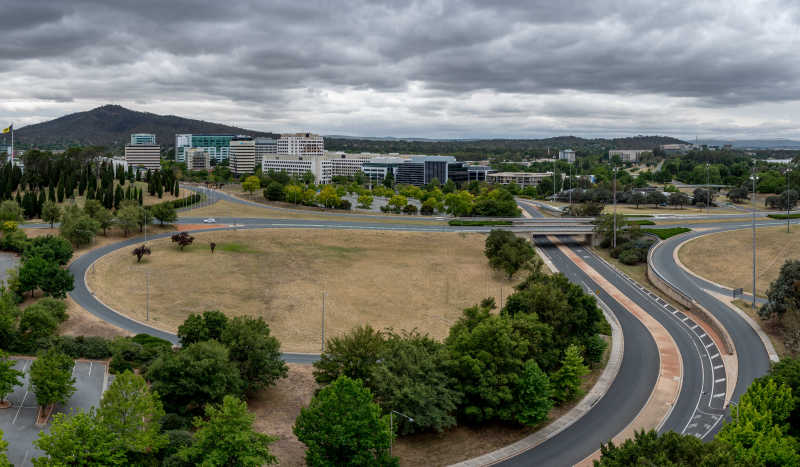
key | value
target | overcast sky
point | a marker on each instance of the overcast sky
(441, 69)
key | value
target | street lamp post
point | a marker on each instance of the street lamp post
(147, 286)
(754, 178)
(391, 426)
(323, 320)
(708, 190)
(788, 202)
(614, 242)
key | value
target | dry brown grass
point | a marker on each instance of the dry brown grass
(112, 236)
(400, 280)
(82, 323)
(726, 257)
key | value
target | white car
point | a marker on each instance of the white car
(210, 220)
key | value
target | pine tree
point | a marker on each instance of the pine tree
(177, 190)
(51, 194)
(141, 199)
(128, 192)
(118, 196)
(60, 191)
(567, 380)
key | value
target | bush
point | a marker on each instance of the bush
(344, 205)
(90, 347)
(595, 347)
(15, 241)
(630, 257)
(410, 209)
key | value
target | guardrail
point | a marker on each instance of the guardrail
(691, 306)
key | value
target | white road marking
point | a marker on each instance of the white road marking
(20, 408)
(718, 367)
(719, 380)
(718, 395)
(715, 355)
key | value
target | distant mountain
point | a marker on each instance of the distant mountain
(111, 126)
(777, 143)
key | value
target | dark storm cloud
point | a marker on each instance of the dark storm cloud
(429, 53)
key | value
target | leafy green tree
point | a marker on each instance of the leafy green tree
(353, 354)
(164, 212)
(255, 352)
(78, 227)
(3, 447)
(496, 203)
(51, 213)
(57, 282)
(783, 294)
(35, 325)
(397, 202)
(787, 371)
(128, 218)
(412, 378)
(194, 376)
(534, 395)
(342, 426)
(365, 201)
(567, 380)
(10, 211)
(104, 218)
(50, 248)
(292, 193)
(668, 449)
(251, 184)
(133, 413)
(637, 198)
(388, 180)
(757, 434)
(605, 226)
(9, 377)
(328, 197)
(737, 195)
(32, 274)
(274, 191)
(507, 252)
(202, 327)
(79, 439)
(459, 203)
(51, 378)
(8, 318)
(91, 207)
(227, 437)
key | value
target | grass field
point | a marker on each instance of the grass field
(402, 280)
(726, 257)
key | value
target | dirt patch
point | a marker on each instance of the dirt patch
(400, 280)
(82, 323)
(277, 407)
(726, 257)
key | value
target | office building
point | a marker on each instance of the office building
(242, 155)
(217, 146)
(521, 179)
(421, 170)
(197, 159)
(566, 155)
(377, 168)
(143, 138)
(266, 147)
(629, 155)
(301, 144)
(143, 156)
(676, 148)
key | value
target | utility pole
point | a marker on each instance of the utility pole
(708, 190)
(614, 241)
(788, 202)
(323, 320)
(147, 287)
(753, 177)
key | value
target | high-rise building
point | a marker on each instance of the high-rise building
(217, 146)
(242, 155)
(421, 170)
(300, 144)
(266, 147)
(197, 159)
(144, 154)
(143, 138)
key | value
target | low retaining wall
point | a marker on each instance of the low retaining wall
(692, 307)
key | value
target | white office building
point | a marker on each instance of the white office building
(521, 179)
(242, 156)
(143, 156)
(566, 155)
(629, 155)
(300, 144)
(197, 159)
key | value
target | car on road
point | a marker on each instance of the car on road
(210, 220)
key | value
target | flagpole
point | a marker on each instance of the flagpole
(12, 145)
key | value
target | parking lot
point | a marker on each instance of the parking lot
(18, 422)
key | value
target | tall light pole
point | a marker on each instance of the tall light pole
(754, 236)
(708, 190)
(323, 320)
(614, 242)
(391, 426)
(788, 202)
(147, 286)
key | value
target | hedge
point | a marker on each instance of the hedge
(179, 203)
(784, 216)
(642, 222)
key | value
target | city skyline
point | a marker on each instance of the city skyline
(403, 69)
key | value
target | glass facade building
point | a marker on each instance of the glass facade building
(217, 146)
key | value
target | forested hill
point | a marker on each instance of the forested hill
(504, 148)
(111, 126)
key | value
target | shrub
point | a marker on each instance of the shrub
(630, 257)
(595, 347)
(344, 204)
(15, 241)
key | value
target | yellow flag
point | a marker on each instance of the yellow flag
(8, 130)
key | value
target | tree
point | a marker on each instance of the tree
(197, 375)
(274, 191)
(202, 327)
(656, 198)
(119, 195)
(128, 218)
(353, 354)
(252, 183)
(388, 180)
(3, 447)
(77, 227)
(737, 195)
(757, 433)
(10, 211)
(164, 212)
(254, 351)
(91, 207)
(459, 204)
(133, 413)
(397, 202)
(668, 449)
(57, 282)
(140, 251)
(702, 197)
(783, 294)
(534, 395)
(328, 197)
(787, 371)
(79, 439)
(293, 193)
(9, 377)
(32, 274)
(51, 213)
(508, 252)
(567, 380)
(342, 426)
(412, 378)
(678, 198)
(605, 225)
(51, 378)
(637, 198)
(365, 201)
(227, 437)
(49, 247)
(183, 239)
